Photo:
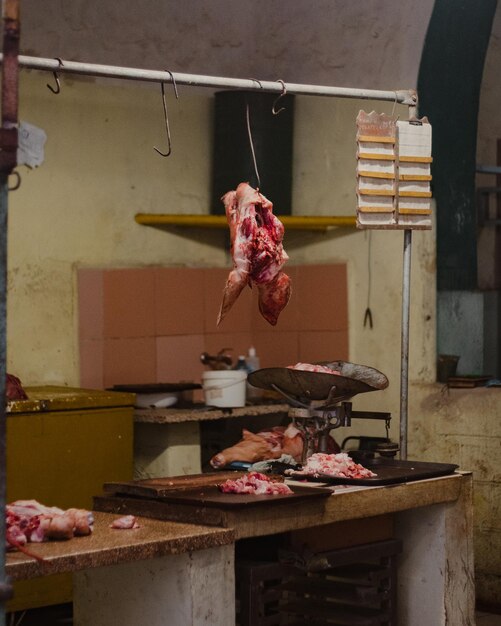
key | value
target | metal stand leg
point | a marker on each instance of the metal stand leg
(404, 370)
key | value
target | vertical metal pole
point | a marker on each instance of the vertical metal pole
(404, 369)
(3, 374)
(8, 155)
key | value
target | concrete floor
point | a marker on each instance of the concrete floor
(62, 616)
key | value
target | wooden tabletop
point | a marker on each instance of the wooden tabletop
(199, 414)
(254, 521)
(107, 546)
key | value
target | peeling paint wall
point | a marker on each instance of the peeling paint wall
(372, 44)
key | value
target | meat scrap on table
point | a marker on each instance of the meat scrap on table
(257, 253)
(341, 465)
(256, 484)
(29, 521)
(127, 522)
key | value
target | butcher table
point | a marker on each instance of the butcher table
(182, 574)
(159, 573)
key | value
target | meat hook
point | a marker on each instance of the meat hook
(56, 78)
(284, 91)
(258, 82)
(394, 104)
(368, 318)
(249, 132)
(166, 116)
(18, 181)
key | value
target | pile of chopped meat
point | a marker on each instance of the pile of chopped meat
(342, 465)
(310, 367)
(29, 521)
(256, 484)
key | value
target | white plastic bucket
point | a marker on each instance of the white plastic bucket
(224, 388)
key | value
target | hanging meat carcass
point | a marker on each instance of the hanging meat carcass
(257, 252)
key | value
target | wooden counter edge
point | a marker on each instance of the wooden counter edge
(350, 504)
(161, 537)
(178, 416)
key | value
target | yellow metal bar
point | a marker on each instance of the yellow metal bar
(376, 139)
(376, 157)
(415, 159)
(417, 177)
(376, 192)
(294, 222)
(369, 174)
(414, 194)
(376, 209)
(414, 211)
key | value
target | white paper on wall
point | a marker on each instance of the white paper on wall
(31, 142)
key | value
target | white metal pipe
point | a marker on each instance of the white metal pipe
(402, 96)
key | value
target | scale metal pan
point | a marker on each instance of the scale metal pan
(303, 385)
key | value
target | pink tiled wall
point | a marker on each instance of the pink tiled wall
(145, 325)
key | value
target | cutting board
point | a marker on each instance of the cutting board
(202, 490)
(161, 487)
(211, 497)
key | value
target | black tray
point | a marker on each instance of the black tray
(389, 472)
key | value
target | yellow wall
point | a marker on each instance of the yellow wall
(100, 168)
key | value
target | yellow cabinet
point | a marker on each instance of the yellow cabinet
(62, 445)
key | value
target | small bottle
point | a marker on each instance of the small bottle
(241, 364)
(253, 364)
(252, 360)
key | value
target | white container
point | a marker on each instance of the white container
(224, 388)
(156, 400)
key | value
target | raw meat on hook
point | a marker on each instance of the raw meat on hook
(257, 252)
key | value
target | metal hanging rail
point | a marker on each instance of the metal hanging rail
(58, 66)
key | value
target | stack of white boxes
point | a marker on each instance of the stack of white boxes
(393, 172)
